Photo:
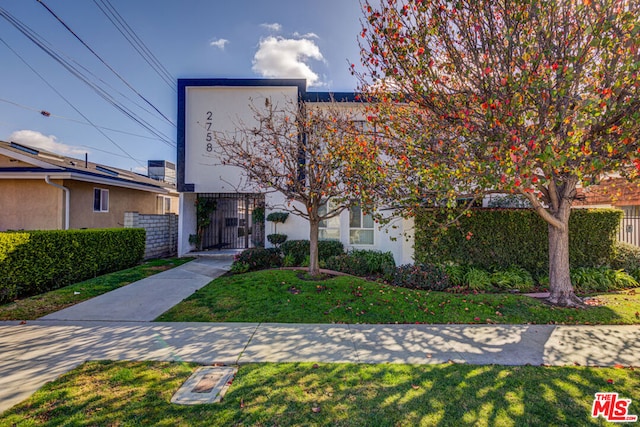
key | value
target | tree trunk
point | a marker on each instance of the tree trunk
(314, 267)
(560, 288)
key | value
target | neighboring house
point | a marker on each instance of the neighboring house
(618, 193)
(206, 106)
(41, 190)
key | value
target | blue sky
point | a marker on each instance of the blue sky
(315, 40)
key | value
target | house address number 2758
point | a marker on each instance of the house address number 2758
(209, 137)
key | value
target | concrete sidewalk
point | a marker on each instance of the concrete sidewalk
(40, 351)
(117, 326)
(148, 298)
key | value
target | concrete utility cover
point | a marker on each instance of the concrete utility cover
(207, 384)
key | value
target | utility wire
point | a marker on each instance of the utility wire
(135, 41)
(69, 102)
(104, 62)
(48, 114)
(106, 95)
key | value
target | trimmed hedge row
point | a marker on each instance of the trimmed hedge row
(33, 262)
(500, 238)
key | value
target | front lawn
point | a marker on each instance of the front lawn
(41, 305)
(280, 296)
(293, 394)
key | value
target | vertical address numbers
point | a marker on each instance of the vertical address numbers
(209, 137)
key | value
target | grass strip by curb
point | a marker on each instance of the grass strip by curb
(289, 394)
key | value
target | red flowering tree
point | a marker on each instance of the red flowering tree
(522, 96)
(290, 152)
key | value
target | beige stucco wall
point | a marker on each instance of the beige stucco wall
(30, 205)
(121, 200)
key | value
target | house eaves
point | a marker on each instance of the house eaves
(58, 173)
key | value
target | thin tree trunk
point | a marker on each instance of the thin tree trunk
(314, 268)
(560, 288)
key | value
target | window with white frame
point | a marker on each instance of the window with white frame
(360, 226)
(164, 205)
(100, 200)
(329, 228)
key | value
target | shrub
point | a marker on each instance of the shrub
(587, 280)
(34, 262)
(299, 249)
(626, 257)
(420, 276)
(362, 263)
(280, 217)
(503, 237)
(239, 267)
(477, 279)
(259, 258)
(456, 274)
(513, 278)
(277, 239)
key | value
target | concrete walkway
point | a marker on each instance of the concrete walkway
(148, 298)
(39, 351)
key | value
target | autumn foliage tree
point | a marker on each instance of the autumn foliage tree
(289, 151)
(534, 97)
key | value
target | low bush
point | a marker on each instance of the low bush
(362, 263)
(298, 250)
(34, 262)
(257, 259)
(513, 278)
(420, 276)
(456, 274)
(588, 280)
(477, 279)
(277, 239)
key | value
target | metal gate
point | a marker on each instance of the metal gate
(630, 230)
(232, 225)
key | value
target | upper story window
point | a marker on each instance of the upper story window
(329, 228)
(100, 200)
(360, 227)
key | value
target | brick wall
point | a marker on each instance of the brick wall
(162, 233)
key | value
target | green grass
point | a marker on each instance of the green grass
(292, 394)
(280, 296)
(41, 305)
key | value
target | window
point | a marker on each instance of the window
(329, 228)
(360, 227)
(100, 200)
(164, 205)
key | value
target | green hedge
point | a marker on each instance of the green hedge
(33, 262)
(499, 238)
(299, 249)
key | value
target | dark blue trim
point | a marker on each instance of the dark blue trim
(332, 96)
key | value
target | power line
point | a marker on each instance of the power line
(104, 62)
(135, 41)
(69, 102)
(106, 95)
(48, 114)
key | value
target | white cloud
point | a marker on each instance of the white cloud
(275, 27)
(50, 143)
(306, 36)
(285, 58)
(219, 43)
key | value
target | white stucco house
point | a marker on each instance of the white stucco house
(206, 106)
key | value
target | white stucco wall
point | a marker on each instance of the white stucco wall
(187, 222)
(222, 109)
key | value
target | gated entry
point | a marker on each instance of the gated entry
(232, 223)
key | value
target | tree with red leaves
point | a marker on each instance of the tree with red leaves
(534, 97)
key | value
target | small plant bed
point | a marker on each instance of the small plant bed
(264, 296)
(293, 394)
(40, 305)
